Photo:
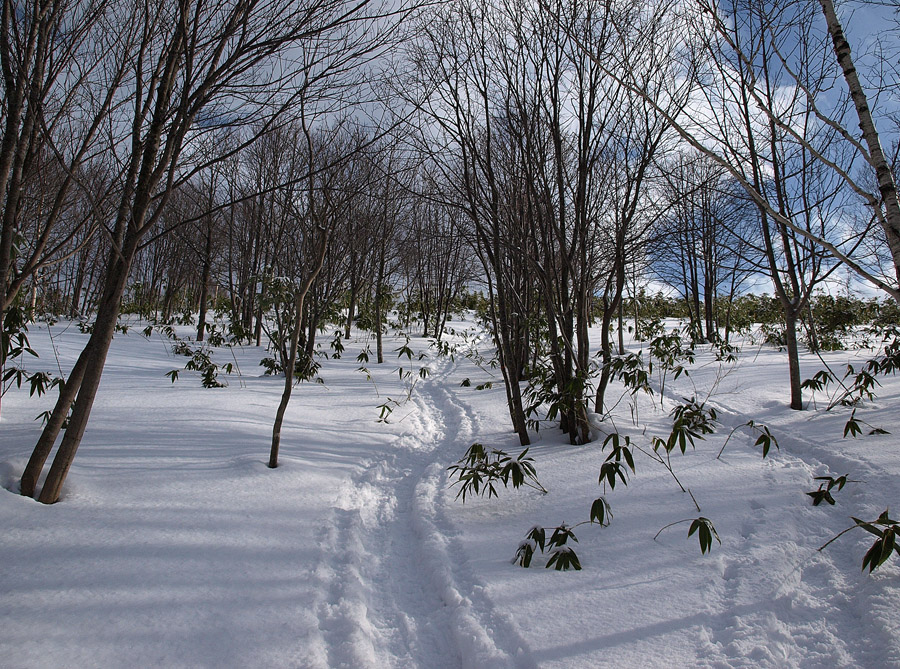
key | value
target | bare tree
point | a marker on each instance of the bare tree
(194, 67)
(715, 57)
(456, 60)
(328, 189)
(698, 247)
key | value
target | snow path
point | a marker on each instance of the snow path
(175, 545)
(394, 591)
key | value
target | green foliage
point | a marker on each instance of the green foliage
(405, 350)
(630, 370)
(337, 345)
(479, 471)
(186, 317)
(725, 352)
(15, 346)
(305, 368)
(215, 335)
(15, 335)
(705, 533)
(702, 527)
(696, 416)
(819, 382)
(444, 348)
(386, 409)
(562, 556)
(614, 467)
(654, 307)
(200, 361)
(545, 390)
(38, 382)
(648, 328)
(885, 531)
(828, 483)
(563, 559)
(774, 334)
(681, 435)
(860, 385)
(600, 512)
(667, 349)
(853, 427)
(832, 320)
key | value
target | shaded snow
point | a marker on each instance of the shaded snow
(174, 545)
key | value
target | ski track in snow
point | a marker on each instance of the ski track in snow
(368, 562)
(397, 591)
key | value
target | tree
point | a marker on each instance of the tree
(329, 187)
(699, 247)
(194, 67)
(797, 48)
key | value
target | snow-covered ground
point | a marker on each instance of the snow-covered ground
(175, 546)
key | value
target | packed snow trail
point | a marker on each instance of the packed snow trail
(395, 589)
(175, 546)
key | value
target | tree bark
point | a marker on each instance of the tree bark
(292, 356)
(887, 186)
(790, 338)
(95, 351)
(41, 452)
(204, 283)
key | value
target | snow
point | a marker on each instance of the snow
(175, 546)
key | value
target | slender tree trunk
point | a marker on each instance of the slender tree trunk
(814, 344)
(292, 356)
(793, 351)
(606, 354)
(204, 284)
(96, 350)
(886, 184)
(41, 452)
(351, 310)
(288, 381)
(80, 272)
(354, 292)
(379, 309)
(621, 327)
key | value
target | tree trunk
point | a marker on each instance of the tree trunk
(292, 356)
(621, 327)
(79, 283)
(379, 309)
(886, 184)
(606, 353)
(354, 292)
(790, 338)
(288, 381)
(204, 284)
(41, 452)
(96, 351)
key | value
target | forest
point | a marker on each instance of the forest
(580, 198)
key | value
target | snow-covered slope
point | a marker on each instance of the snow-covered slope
(175, 546)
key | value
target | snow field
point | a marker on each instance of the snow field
(174, 545)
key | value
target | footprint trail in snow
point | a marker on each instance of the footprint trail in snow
(396, 593)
